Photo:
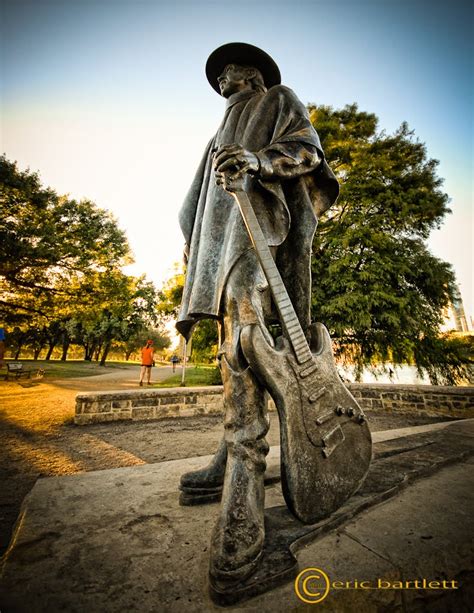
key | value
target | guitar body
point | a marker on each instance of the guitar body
(326, 445)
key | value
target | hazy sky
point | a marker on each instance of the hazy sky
(108, 99)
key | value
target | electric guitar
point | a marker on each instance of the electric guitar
(326, 445)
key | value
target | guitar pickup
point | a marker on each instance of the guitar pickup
(317, 394)
(332, 440)
(324, 418)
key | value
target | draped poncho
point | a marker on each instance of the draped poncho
(294, 186)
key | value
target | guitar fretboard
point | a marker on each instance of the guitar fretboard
(280, 295)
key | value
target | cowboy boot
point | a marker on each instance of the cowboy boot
(238, 536)
(205, 485)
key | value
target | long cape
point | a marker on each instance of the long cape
(270, 124)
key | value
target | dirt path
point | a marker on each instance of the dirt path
(38, 437)
(120, 378)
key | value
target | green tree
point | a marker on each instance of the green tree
(114, 308)
(170, 295)
(60, 271)
(376, 285)
(44, 239)
(133, 344)
(205, 333)
(205, 341)
(143, 319)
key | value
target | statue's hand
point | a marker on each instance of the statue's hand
(236, 160)
(231, 182)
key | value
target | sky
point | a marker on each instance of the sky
(108, 100)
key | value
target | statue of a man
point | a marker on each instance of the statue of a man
(267, 136)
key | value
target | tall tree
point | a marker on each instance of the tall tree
(135, 341)
(170, 295)
(44, 239)
(61, 276)
(205, 341)
(375, 283)
(205, 333)
(114, 307)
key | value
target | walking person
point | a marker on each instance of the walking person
(2, 346)
(147, 362)
(174, 361)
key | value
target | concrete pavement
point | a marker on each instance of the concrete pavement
(117, 540)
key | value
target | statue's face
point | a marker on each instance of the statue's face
(233, 79)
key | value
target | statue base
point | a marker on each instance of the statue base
(396, 464)
(107, 540)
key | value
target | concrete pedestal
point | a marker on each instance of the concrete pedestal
(117, 540)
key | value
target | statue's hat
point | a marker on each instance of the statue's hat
(244, 55)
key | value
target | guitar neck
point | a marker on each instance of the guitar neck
(280, 295)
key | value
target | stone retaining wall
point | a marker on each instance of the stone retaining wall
(430, 400)
(140, 404)
(191, 402)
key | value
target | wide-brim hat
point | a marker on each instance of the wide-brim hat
(242, 54)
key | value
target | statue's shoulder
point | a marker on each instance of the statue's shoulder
(280, 91)
(282, 94)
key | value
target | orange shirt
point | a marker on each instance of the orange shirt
(147, 356)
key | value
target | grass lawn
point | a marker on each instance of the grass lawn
(55, 369)
(195, 376)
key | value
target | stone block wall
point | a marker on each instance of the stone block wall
(429, 400)
(140, 404)
(194, 401)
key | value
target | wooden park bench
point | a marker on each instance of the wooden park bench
(17, 370)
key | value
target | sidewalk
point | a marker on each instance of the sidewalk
(117, 540)
(123, 378)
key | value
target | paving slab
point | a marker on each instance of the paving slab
(388, 435)
(117, 540)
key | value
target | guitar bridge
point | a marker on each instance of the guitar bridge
(332, 440)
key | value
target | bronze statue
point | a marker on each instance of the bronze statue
(249, 220)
